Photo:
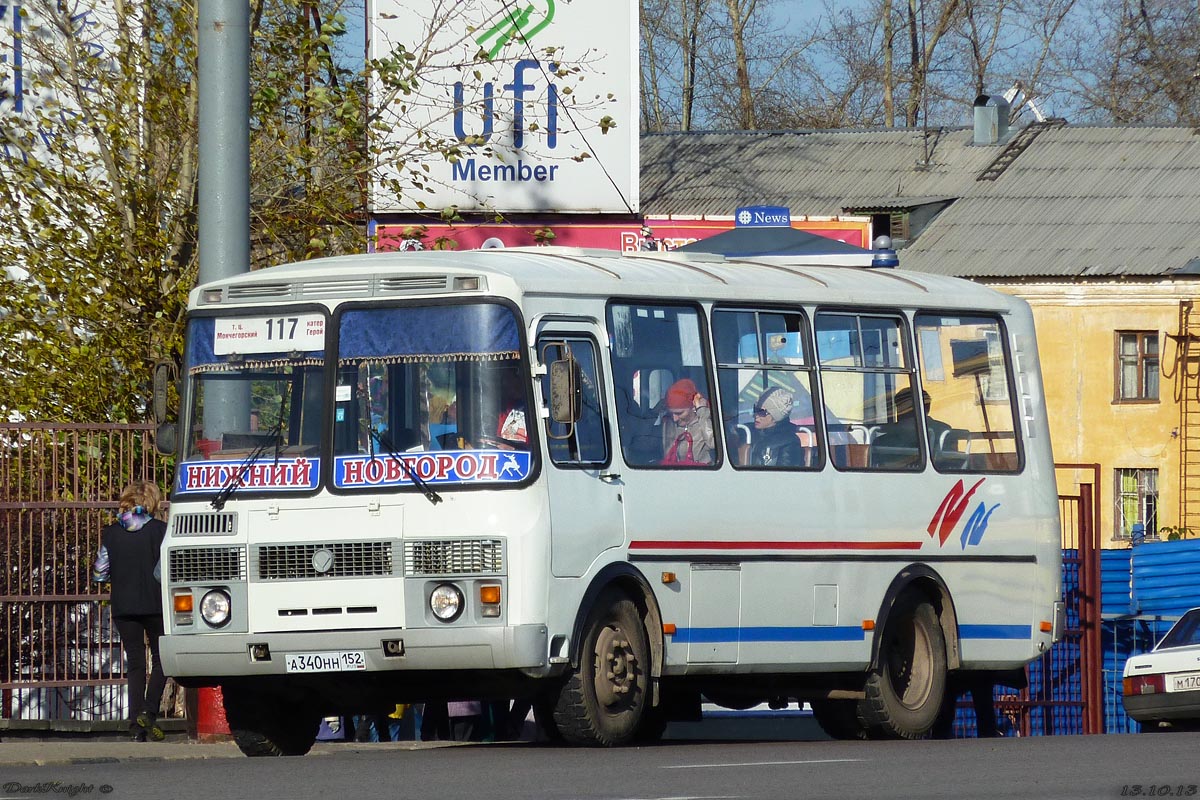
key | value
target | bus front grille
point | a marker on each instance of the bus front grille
(206, 524)
(454, 557)
(282, 562)
(202, 564)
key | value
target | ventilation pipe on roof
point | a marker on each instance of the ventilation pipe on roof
(991, 119)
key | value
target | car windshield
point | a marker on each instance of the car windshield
(255, 403)
(1184, 633)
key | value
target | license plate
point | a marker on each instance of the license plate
(343, 661)
(1185, 682)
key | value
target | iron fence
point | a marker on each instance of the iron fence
(60, 657)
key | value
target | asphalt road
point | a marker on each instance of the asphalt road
(1061, 768)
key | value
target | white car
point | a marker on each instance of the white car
(1162, 687)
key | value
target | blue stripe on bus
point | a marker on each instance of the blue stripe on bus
(828, 634)
(995, 631)
(715, 635)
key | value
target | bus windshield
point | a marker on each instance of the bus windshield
(432, 391)
(256, 403)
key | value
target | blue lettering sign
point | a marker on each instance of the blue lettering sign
(469, 170)
(520, 86)
(763, 217)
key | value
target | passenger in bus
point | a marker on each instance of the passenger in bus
(691, 441)
(903, 433)
(511, 430)
(775, 442)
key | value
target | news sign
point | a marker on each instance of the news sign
(539, 97)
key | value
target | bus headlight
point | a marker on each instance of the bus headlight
(214, 608)
(446, 602)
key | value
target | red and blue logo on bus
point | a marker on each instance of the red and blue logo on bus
(951, 510)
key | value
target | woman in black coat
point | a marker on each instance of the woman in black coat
(128, 558)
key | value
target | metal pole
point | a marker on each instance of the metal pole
(223, 51)
(224, 93)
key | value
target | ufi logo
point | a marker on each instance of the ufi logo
(953, 506)
(521, 26)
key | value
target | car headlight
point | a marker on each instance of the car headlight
(446, 602)
(215, 607)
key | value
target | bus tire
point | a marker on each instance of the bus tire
(268, 726)
(604, 701)
(839, 719)
(905, 691)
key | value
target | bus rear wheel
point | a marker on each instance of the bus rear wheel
(904, 693)
(268, 726)
(605, 700)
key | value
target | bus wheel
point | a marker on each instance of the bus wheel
(838, 718)
(905, 691)
(604, 700)
(268, 726)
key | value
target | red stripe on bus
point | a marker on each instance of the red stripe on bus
(714, 545)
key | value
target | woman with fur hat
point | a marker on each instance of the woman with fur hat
(774, 443)
(693, 443)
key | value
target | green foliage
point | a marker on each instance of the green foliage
(98, 189)
(1174, 533)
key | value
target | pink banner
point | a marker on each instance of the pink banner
(627, 236)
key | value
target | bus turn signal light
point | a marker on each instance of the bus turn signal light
(1047, 626)
(182, 603)
(489, 600)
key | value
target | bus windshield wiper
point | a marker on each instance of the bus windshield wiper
(235, 480)
(376, 436)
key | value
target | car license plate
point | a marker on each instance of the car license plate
(343, 661)
(1185, 682)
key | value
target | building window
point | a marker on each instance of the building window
(1137, 502)
(1137, 365)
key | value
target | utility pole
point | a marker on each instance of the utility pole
(223, 44)
(223, 50)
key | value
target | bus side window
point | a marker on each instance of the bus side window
(867, 386)
(658, 352)
(965, 371)
(585, 443)
(765, 380)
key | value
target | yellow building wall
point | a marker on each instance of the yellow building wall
(1076, 330)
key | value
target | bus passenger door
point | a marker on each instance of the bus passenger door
(585, 495)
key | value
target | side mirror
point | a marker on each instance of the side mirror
(160, 389)
(164, 439)
(566, 391)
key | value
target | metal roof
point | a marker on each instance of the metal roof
(1078, 202)
(815, 173)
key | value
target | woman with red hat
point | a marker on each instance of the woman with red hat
(693, 443)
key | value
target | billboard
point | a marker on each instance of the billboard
(490, 105)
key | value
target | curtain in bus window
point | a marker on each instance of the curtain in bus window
(449, 333)
(969, 409)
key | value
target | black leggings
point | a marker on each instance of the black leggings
(134, 633)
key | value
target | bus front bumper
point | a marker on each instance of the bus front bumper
(476, 648)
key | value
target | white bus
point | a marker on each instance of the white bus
(423, 475)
